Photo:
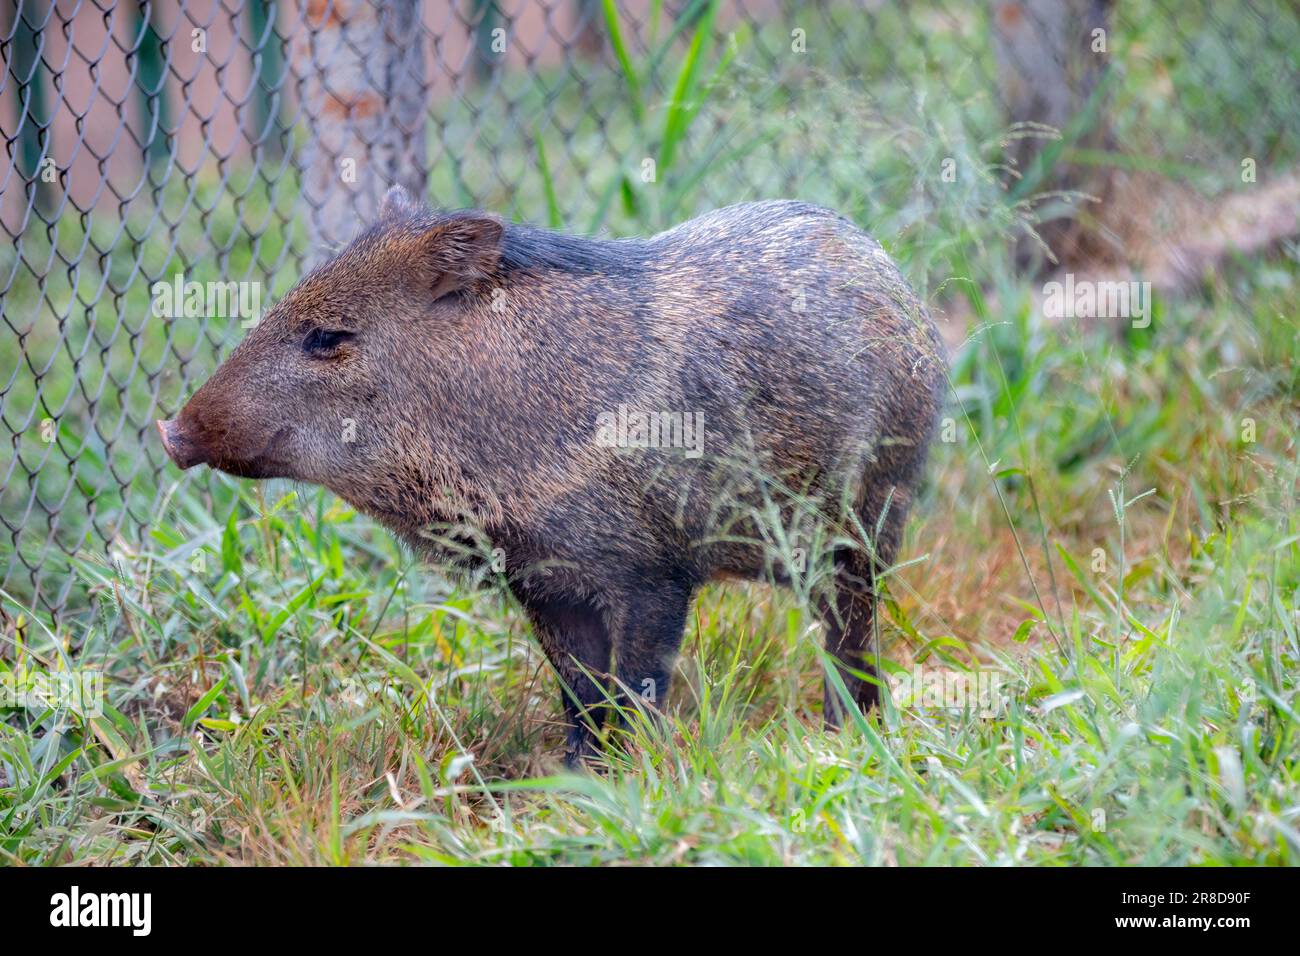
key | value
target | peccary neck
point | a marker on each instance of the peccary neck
(529, 249)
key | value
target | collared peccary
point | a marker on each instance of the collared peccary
(620, 420)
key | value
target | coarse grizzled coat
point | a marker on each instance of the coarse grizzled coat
(464, 379)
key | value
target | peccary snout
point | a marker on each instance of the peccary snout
(179, 449)
(462, 379)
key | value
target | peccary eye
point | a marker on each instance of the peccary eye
(323, 341)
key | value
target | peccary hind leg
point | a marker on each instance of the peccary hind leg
(577, 643)
(849, 617)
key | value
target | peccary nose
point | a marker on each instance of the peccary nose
(179, 448)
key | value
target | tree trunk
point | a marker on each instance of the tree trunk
(1050, 71)
(362, 93)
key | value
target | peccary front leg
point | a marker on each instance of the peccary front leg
(577, 643)
(647, 636)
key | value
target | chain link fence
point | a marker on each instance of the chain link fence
(151, 145)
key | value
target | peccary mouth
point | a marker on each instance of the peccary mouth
(186, 452)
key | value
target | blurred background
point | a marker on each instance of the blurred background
(987, 145)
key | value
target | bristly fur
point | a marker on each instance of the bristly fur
(527, 248)
(481, 358)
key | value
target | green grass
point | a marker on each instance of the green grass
(1103, 534)
(290, 687)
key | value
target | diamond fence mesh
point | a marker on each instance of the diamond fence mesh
(152, 145)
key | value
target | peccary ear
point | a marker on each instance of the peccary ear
(397, 203)
(460, 251)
